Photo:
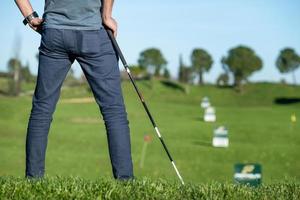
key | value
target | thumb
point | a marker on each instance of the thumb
(40, 20)
(37, 21)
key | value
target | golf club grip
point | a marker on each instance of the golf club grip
(115, 44)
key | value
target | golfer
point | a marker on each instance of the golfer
(74, 30)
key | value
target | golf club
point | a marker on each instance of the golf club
(119, 52)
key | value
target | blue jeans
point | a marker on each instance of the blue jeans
(98, 60)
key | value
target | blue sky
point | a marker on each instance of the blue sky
(176, 27)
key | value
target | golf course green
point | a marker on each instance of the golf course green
(258, 120)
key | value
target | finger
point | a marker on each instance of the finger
(40, 20)
(39, 30)
(115, 30)
(33, 27)
(37, 22)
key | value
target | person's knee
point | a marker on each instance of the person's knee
(114, 113)
(42, 110)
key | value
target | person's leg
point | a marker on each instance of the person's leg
(54, 64)
(100, 66)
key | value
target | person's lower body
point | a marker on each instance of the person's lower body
(97, 58)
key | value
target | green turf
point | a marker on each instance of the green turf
(259, 131)
(78, 188)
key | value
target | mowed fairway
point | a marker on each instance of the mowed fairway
(260, 131)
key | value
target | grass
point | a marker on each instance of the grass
(78, 188)
(260, 131)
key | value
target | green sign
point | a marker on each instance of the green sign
(250, 174)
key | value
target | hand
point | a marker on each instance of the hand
(36, 24)
(111, 24)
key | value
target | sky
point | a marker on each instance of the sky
(176, 28)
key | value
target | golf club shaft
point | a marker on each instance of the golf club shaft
(120, 54)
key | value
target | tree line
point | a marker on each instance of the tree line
(16, 75)
(240, 63)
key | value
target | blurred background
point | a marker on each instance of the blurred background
(243, 57)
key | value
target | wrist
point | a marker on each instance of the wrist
(30, 17)
(106, 17)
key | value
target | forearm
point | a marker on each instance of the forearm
(107, 6)
(107, 19)
(25, 7)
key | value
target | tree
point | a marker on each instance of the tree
(201, 62)
(288, 61)
(70, 79)
(180, 71)
(14, 66)
(166, 73)
(153, 60)
(26, 74)
(224, 66)
(223, 79)
(242, 62)
(138, 72)
(185, 72)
